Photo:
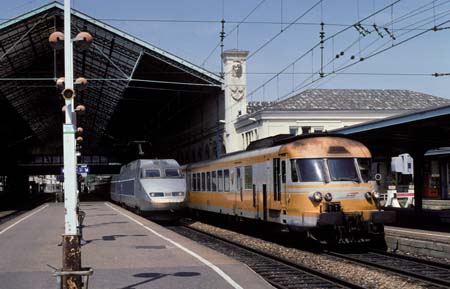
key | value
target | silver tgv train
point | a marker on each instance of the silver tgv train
(151, 187)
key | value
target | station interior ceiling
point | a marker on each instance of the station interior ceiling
(135, 93)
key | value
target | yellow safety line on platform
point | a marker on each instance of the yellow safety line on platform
(24, 218)
(195, 255)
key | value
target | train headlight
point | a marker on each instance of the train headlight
(368, 195)
(316, 196)
(156, 195)
(328, 197)
(178, 194)
(376, 195)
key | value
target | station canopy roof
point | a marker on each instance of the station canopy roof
(131, 82)
(413, 133)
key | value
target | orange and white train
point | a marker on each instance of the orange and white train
(320, 184)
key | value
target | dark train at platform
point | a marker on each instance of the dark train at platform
(317, 184)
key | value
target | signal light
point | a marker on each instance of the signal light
(80, 130)
(79, 139)
(56, 40)
(83, 40)
(68, 93)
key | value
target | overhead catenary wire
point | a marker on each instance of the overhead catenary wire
(283, 30)
(232, 30)
(401, 18)
(318, 44)
(305, 83)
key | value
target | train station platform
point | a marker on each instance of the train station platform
(125, 250)
(418, 241)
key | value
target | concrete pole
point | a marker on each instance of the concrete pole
(71, 240)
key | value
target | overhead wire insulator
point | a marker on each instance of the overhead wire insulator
(377, 30)
(391, 34)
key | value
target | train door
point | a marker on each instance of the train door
(279, 187)
(283, 194)
(239, 191)
(264, 192)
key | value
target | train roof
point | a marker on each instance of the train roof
(281, 139)
(157, 162)
(310, 146)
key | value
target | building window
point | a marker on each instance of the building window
(293, 130)
(318, 129)
(306, 129)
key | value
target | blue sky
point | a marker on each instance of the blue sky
(426, 54)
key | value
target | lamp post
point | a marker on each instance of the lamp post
(71, 258)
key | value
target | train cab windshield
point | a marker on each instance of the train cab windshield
(330, 170)
(164, 173)
(151, 173)
(343, 170)
(172, 173)
(308, 170)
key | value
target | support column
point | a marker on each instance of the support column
(419, 163)
(71, 239)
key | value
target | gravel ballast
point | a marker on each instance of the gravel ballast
(355, 273)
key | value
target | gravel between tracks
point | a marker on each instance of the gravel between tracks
(365, 277)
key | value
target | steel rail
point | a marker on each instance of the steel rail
(278, 271)
(434, 273)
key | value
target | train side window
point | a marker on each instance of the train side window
(208, 181)
(193, 182)
(283, 171)
(226, 180)
(294, 175)
(214, 181)
(220, 180)
(203, 182)
(198, 183)
(248, 178)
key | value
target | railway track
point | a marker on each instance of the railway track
(277, 271)
(437, 275)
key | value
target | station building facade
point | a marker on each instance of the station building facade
(321, 110)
